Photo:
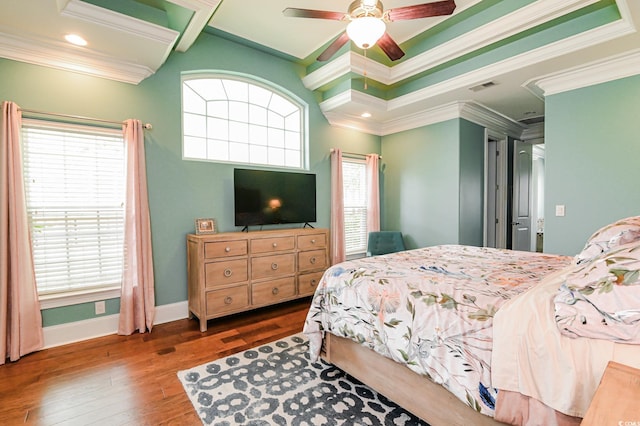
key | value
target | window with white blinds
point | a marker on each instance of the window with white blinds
(75, 187)
(355, 206)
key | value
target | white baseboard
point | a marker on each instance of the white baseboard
(63, 334)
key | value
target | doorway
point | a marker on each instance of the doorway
(495, 190)
(514, 191)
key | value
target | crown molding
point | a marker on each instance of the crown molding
(469, 110)
(602, 71)
(533, 131)
(351, 96)
(490, 119)
(345, 64)
(354, 123)
(417, 100)
(427, 117)
(528, 17)
(203, 10)
(522, 19)
(37, 51)
(132, 26)
(414, 99)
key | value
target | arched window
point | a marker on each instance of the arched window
(241, 119)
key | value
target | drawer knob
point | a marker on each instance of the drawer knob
(314, 282)
(228, 272)
(274, 266)
(313, 260)
(275, 245)
(275, 291)
(228, 300)
(313, 241)
(227, 249)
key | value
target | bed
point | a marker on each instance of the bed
(420, 327)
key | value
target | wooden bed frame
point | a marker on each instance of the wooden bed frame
(415, 393)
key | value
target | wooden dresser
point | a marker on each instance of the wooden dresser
(236, 271)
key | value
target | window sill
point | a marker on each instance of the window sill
(49, 301)
(358, 255)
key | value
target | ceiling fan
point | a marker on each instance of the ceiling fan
(367, 23)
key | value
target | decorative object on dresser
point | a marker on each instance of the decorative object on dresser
(234, 272)
(206, 226)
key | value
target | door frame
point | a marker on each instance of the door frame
(501, 174)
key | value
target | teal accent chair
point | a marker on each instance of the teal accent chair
(383, 242)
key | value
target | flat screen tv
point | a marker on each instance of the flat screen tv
(264, 197)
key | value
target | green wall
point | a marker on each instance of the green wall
(592, 138)
(179, 191)
(471, 220)
(433, 183)
(432, 176)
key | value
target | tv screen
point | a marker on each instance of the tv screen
(271, 197)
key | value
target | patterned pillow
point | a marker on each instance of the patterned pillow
(620, 232)
(600, 298)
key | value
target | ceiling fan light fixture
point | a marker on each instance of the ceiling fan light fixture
(366, 31)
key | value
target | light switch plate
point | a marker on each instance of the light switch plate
(559, 209)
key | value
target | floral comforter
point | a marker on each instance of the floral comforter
(431, 309)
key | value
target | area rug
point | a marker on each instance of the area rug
(276, 384)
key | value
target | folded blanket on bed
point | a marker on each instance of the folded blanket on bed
(600, 298)
(532, 357)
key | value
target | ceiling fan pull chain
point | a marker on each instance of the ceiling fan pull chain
(365, 69)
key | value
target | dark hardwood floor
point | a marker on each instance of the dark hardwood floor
(118, 380)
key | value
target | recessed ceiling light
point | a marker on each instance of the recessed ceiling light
(365, 115)
(75, 39)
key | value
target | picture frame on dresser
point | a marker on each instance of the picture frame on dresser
(205, 226)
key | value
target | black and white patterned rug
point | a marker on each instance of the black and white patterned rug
(275, 384)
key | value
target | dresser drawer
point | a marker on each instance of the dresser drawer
(273, 291)
(307, 283)
(272, 266)
(225, 249)
(227, 272)
(269, 245)
(227, 300)
(311, 241)
(313, 259)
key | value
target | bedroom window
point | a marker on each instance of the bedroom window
(355, 206)
(75, 187)
(229, 118)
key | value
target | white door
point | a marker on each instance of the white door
(521, 218)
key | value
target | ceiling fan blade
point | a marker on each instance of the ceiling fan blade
(390, 47)
(334, 47)
(309, 13)
(438, 8)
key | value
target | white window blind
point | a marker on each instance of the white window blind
(74, 183)
(355, 206)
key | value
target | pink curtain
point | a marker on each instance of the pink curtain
(337, 208)
(20, 317)
(137, 299)
(373, 190)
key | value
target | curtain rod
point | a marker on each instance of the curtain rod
(353, 154)
(147, 126)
